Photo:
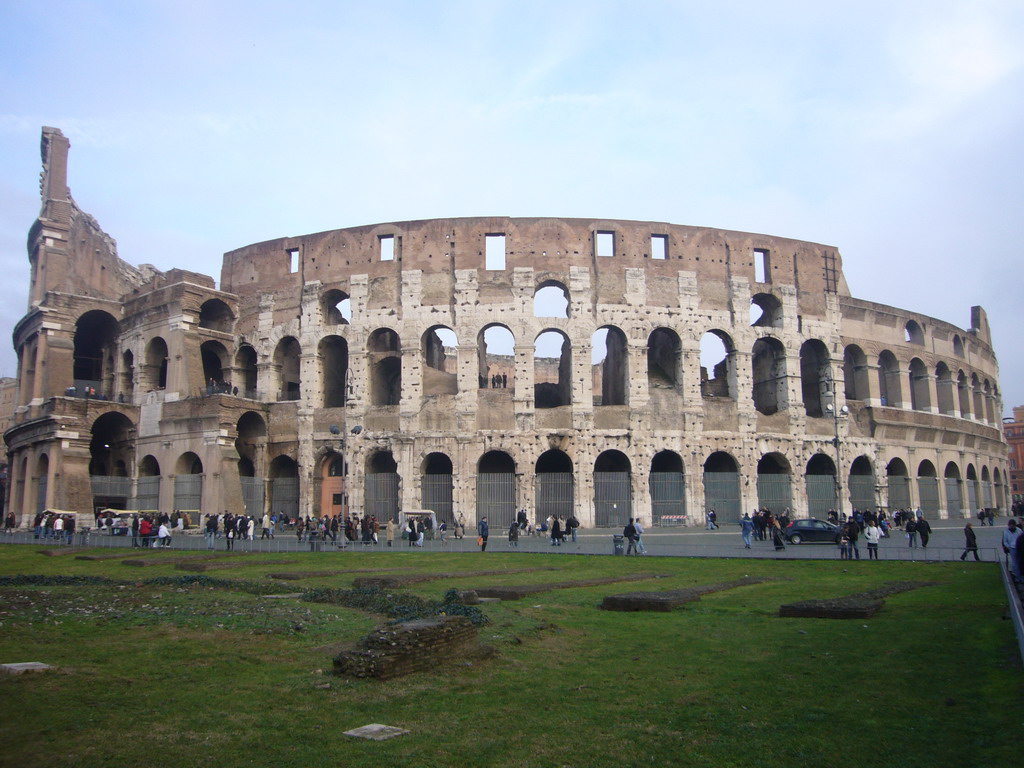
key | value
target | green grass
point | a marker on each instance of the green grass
(194, 676)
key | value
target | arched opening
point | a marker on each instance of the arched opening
(774, 483)
(973, 491)
(979, 402)
(147, 485)
(127, 377)
(920, 395)
(385, 360)
(333, 486)
(990, 416)
(664, 360)
(986, 489)
(154, 372)
(496, 490)
(336, 307)
(862, 484)
(821, 486)
(768, 368)
(287, 355)
(913, 333)
(963, 391)
(555, 486)
(552, 370)
(111, 452)
(958, 346)
(765, 311)
(613, 490)
(855, 373)
(438, 486)
(440, 361)
(245, 364)
(284, 487)
(382, 486)
(889, 388)
(944, 389)
(216, 315)
(717, 365)
(609, 358)
(815, 377)
(954, 491)
(188, 484)
(250, 444)
(551, 300)
(898, 481)
(928, 488)
(668, 489)
(334, 371)
(215, 360)
(722, 487)
(998, 497)
(96, 335)
(42, 479)
(496, 355)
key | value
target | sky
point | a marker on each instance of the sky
(891, 130)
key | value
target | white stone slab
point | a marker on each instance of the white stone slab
(24, 666)
(375, 732)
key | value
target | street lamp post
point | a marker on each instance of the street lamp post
(831, 408)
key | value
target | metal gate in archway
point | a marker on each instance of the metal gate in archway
(253, 493)
(188, 492)
(147, 492)
(284, 497)
(613, 499)
(862, 492)
(928, 488)
(722, 494)
(496, 499)
(437, 495)
(954, 504)
(899, 492)
(821, 495)
(381, 495)
(972, 496)
(555, 495)
(668, 498)
(774, 492)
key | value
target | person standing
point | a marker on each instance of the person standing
(266, 534)
(746, 529)
(513, 535)
(390, 530)
(483, 530)
(872, 534)
(970, 542)
(410, 530)
(852, 534)
(135, 530)
(777, 538)
(911, 530)
(1010, 537)
(211, 530)
(556, 532)
(924, 530)
(572, 524)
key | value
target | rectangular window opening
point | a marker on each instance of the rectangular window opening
(293, 260)
(761, 266)
(387, 247)
(494, 251)
(604, 244)
(659, 247)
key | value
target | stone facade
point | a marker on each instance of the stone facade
(351, 370)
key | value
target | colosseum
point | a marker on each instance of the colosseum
(478, 366)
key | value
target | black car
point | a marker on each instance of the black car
(813, 530)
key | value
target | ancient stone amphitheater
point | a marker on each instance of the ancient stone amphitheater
(478, 366)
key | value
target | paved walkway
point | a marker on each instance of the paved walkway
(946, 543)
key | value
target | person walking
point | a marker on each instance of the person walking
(852, 534)
(630, 533)
(911, 530)
(211, 531)
(746, 529)
(971, 542)
(483, 530)
(924, 530)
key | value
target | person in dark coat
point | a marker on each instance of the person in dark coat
(924, 530)
(971, 542)
(777, 539)
(556, 532)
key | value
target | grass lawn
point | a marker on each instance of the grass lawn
(196, 676)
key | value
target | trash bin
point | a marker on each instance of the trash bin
(314, 543)
(618, 547)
